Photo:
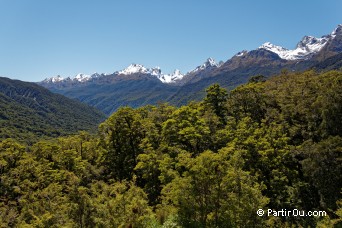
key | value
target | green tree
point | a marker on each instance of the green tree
(214, 192)
(121, 135)
(322, 164)
(216, 99)
(248, 100)
(187, 129)
(121, 204)
(257, 78)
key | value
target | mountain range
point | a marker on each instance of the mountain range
(137, 85)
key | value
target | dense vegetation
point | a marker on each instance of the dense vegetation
(29, 112)
(267, 144)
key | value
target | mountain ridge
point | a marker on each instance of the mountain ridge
(305, 49)
(179, 89)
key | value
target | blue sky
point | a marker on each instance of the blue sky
(40, 38)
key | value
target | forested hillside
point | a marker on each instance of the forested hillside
(29, 112)
(274, 144)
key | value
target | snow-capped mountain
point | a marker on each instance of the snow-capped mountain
(171, 78)
(307, 47)
(131, 69)
(176, 75)
(210, 63)
(200, 71)
(156, 71)
(82, 77)
(55, 79)
(78, 78)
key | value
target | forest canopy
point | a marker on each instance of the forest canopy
(268, 144)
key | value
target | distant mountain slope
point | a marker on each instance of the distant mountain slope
(332, 63)
(134, 90)
(232, 73)
(29, 111)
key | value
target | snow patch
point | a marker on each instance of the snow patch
(241, 53)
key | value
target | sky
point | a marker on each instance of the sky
(40, 39)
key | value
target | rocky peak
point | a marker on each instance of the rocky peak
(241, 53)
(337, 31)
(312, 44)
(208, 64)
